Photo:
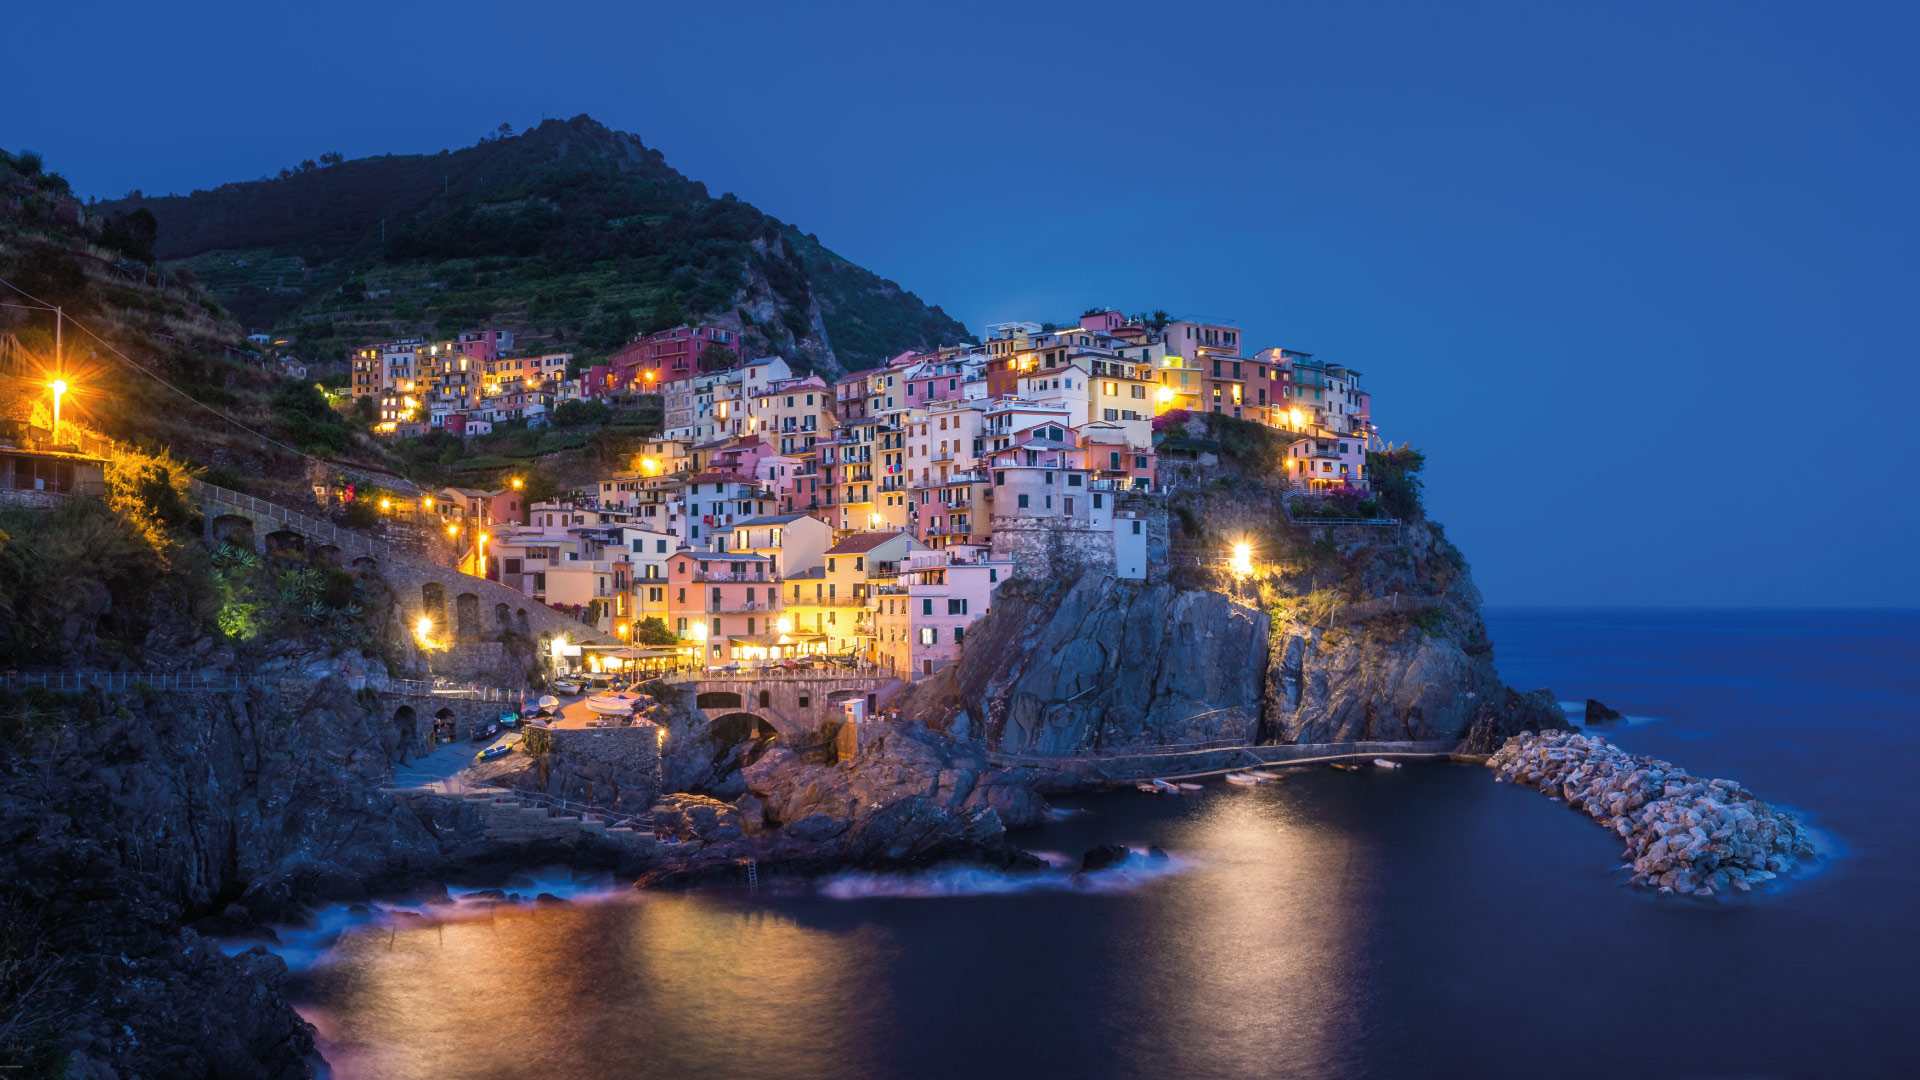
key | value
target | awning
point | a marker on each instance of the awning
(771, 640)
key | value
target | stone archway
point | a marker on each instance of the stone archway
(718, 699)
(365, 566)
(446, 725)
(520, 623)
(324, 555)
(232, 529)
(433, 603)
(466, 614)
(287, 544)
(406, 727)
(503, 615)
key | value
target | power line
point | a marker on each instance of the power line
(136, 365)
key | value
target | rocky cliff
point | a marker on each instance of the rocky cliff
(1338, 634)
(139, 815)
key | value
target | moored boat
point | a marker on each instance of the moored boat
(1242, 779)
(1383, 763)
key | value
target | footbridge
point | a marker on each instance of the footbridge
(795, 704)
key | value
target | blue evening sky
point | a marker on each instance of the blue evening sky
(1640, 278)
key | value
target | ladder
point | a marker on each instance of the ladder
(753, 876)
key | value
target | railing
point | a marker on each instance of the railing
(1269, 754)
(311, 526)
(775, 673)
(229, 682)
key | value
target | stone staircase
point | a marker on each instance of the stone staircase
(516, 816)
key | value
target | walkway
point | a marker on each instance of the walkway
(1170, 763)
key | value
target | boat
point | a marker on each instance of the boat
(614, 704)
(1242, 779)
(482, 732)
(1167, 786)
(497, 750)
(1183, 786)
(1264, 776)
(548, 701)
(1385, 764)
(1344, 767)
(1151, 789)
(509, 719)
(566, 686)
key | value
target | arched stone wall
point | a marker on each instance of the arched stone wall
(433, 603)
(466, 617)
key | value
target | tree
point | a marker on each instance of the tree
(717, 357)
(1395, 474)
(575, 412)
(537, 487)
(332, 157)
(653, 631)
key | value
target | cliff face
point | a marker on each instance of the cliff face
(138, 815)
(1352, 635)
(1103, 664)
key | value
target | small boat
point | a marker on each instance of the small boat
(508, 719)
(1188, 787)
(566, 686)
(1242, 779)
(1167, 786)
(1265, 776)
(1383, 763)
(548, 701)
(497, 750)
(482, 732)
(1150, 789)
(1344, 767)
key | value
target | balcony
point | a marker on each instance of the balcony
(733, 579)
(739, 607)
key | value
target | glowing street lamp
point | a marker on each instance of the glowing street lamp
(59, 387)
(1242, 561)
(516, 483)
(423, 627)
(785, 626)
(483, 555)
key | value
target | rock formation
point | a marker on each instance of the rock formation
(1684, 835)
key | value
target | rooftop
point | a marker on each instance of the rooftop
(861, 543)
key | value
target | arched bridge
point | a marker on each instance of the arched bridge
(462, 607)
(797, 704)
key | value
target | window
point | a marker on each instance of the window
(830, 563)
(956, 607)
(1097, 500)
(1023, 502)
(1113, 460)
(926, 607)
(683, 596)
(929, 635)
(993, 575)
(1049, 505)
(959, 632)
(1139, 461)
(1073, 479)
(859, 562)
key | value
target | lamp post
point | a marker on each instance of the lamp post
(483, 555)
(59, 387)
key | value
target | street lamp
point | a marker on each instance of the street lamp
(1242, 562)
(59, 387)
(483, 555)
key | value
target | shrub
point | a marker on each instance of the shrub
(361, 514)
(1396, 477)
(1430, 618)
(577, 412)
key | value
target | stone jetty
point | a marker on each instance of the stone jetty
(1684, 835)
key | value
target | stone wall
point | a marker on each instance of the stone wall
(1051, 548)
(614, 768)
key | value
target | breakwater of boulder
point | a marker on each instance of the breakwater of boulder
(1684, 835)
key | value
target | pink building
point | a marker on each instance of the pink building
(923, 617)
(653, 360)
(723, 602)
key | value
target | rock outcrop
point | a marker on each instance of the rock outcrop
(1108, 665)
(1684, 834)
(1598, 713)
(909, 797)
(1103, 665)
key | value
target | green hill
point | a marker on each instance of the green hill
(574, 234)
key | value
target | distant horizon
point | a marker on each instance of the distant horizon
(1561, 244)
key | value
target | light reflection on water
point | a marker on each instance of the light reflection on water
(1424, 922)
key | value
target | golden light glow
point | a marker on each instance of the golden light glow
(453, 530)
(424, 626)
(785, 626)
(699, 631)
(429, 501)
(1165, 394)
(621, 629)
(385, 504)
(59, 387)
(516, 483)
(1242, 562)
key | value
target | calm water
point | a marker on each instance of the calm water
(1421, 923)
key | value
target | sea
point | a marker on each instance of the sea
(1420, 922)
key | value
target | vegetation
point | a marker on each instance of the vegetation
(652, 632)
(1395, 473)
(580, 235)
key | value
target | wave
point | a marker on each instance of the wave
(1061, 875)
(1575, 710)
(304, 947)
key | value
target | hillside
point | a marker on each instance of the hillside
(575, 235)
(151, 359)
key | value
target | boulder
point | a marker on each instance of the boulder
(1105, 857)
(1598, 713)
